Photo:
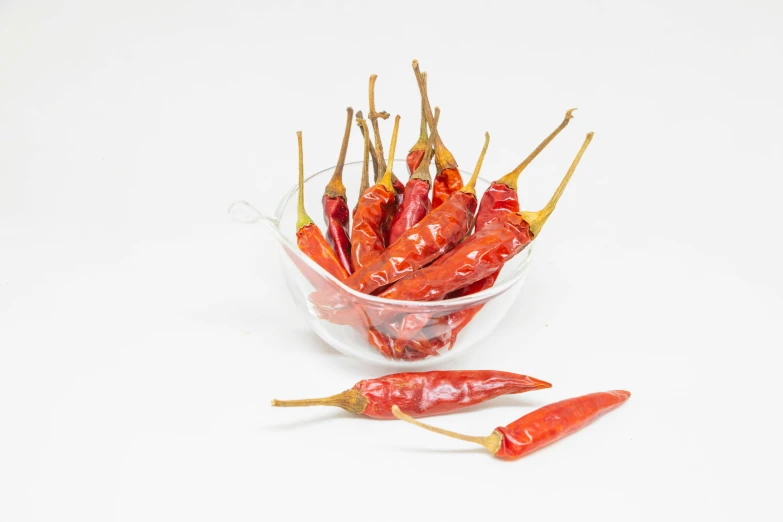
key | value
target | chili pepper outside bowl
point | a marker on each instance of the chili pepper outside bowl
(326, 303)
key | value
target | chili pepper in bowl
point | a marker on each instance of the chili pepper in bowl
(416, 197)
(424, 393)
(373, 216)
(539, 428)
(309, 238)
(335, 205)
(448, 179)
(481, 254)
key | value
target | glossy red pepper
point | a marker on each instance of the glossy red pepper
(335, 206)
(538, 428)
(424, 393)
(448, 179)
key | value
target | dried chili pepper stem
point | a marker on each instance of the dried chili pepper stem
(365, 182)
(366, 135)
(335, 187)
(470, 188)
(443, 158)
(511, 178)
(537, 219)
(423, 169)
(302, 219)
(386, 181)
(492, 442)
(349, 400)
(373, 117)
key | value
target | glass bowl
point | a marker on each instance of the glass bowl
(370, 328)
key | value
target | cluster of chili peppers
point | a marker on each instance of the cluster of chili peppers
(412, 394)
(400, 243)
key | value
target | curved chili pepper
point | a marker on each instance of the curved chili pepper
(538, 428)
(430, 238)
(424, 393)
(416, 197)
(373, 117)
(336, 214)
(448, 179)
(482, 253)
(373, 216)
(309, 238)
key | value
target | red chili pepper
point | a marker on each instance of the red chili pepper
(416, 198)
(430, 238)
(498, 201)
(309, 238)
(336, 214)
(448, 179)
(481, 254)
(538, 428)
(373, 117)
(373, 216)
(424, 393)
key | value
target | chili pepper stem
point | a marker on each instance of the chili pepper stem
(373, 117)
(492, 442)
(423, 170)
(443, 158)
(335, 187)
(386, 181)
(373, 153)
(511, 178)
(302, 219)
(423, 138)
(470, 188)
(536, 220)
(365, 183)
(349, 400)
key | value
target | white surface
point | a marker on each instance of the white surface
(142, 334)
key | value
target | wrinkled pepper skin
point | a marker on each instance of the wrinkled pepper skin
(479, 256)
(415, 205)
(429, 239)
(420, 394)
(337, 216)
(498, 200)
(414, 159)
(312, 243)
(371, 223)
(555, 421)
(446, 183)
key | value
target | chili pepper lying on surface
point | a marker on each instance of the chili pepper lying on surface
(373, 117)
(373, 216)
(309, 238)
(336, 214)
(424, 393)
(538, 428)
(448, 179)
(416, 197)
(481, 254)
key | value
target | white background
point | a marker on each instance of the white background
(142, 334)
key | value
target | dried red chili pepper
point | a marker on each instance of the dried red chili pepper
(424, 393)
(373, 117)
(448, 179)
(336, 214)
(373, 216)
(437, 233)
(481, 254)
(499, 200)
(309, 238)
(416, 197)
(538, 428)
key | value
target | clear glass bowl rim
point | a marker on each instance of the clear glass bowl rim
(473, 299)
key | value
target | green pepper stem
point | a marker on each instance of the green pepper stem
(492, 442)
(470, 188)
(335, 187)
(536, 220)
(511, 178)
(302, 219)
